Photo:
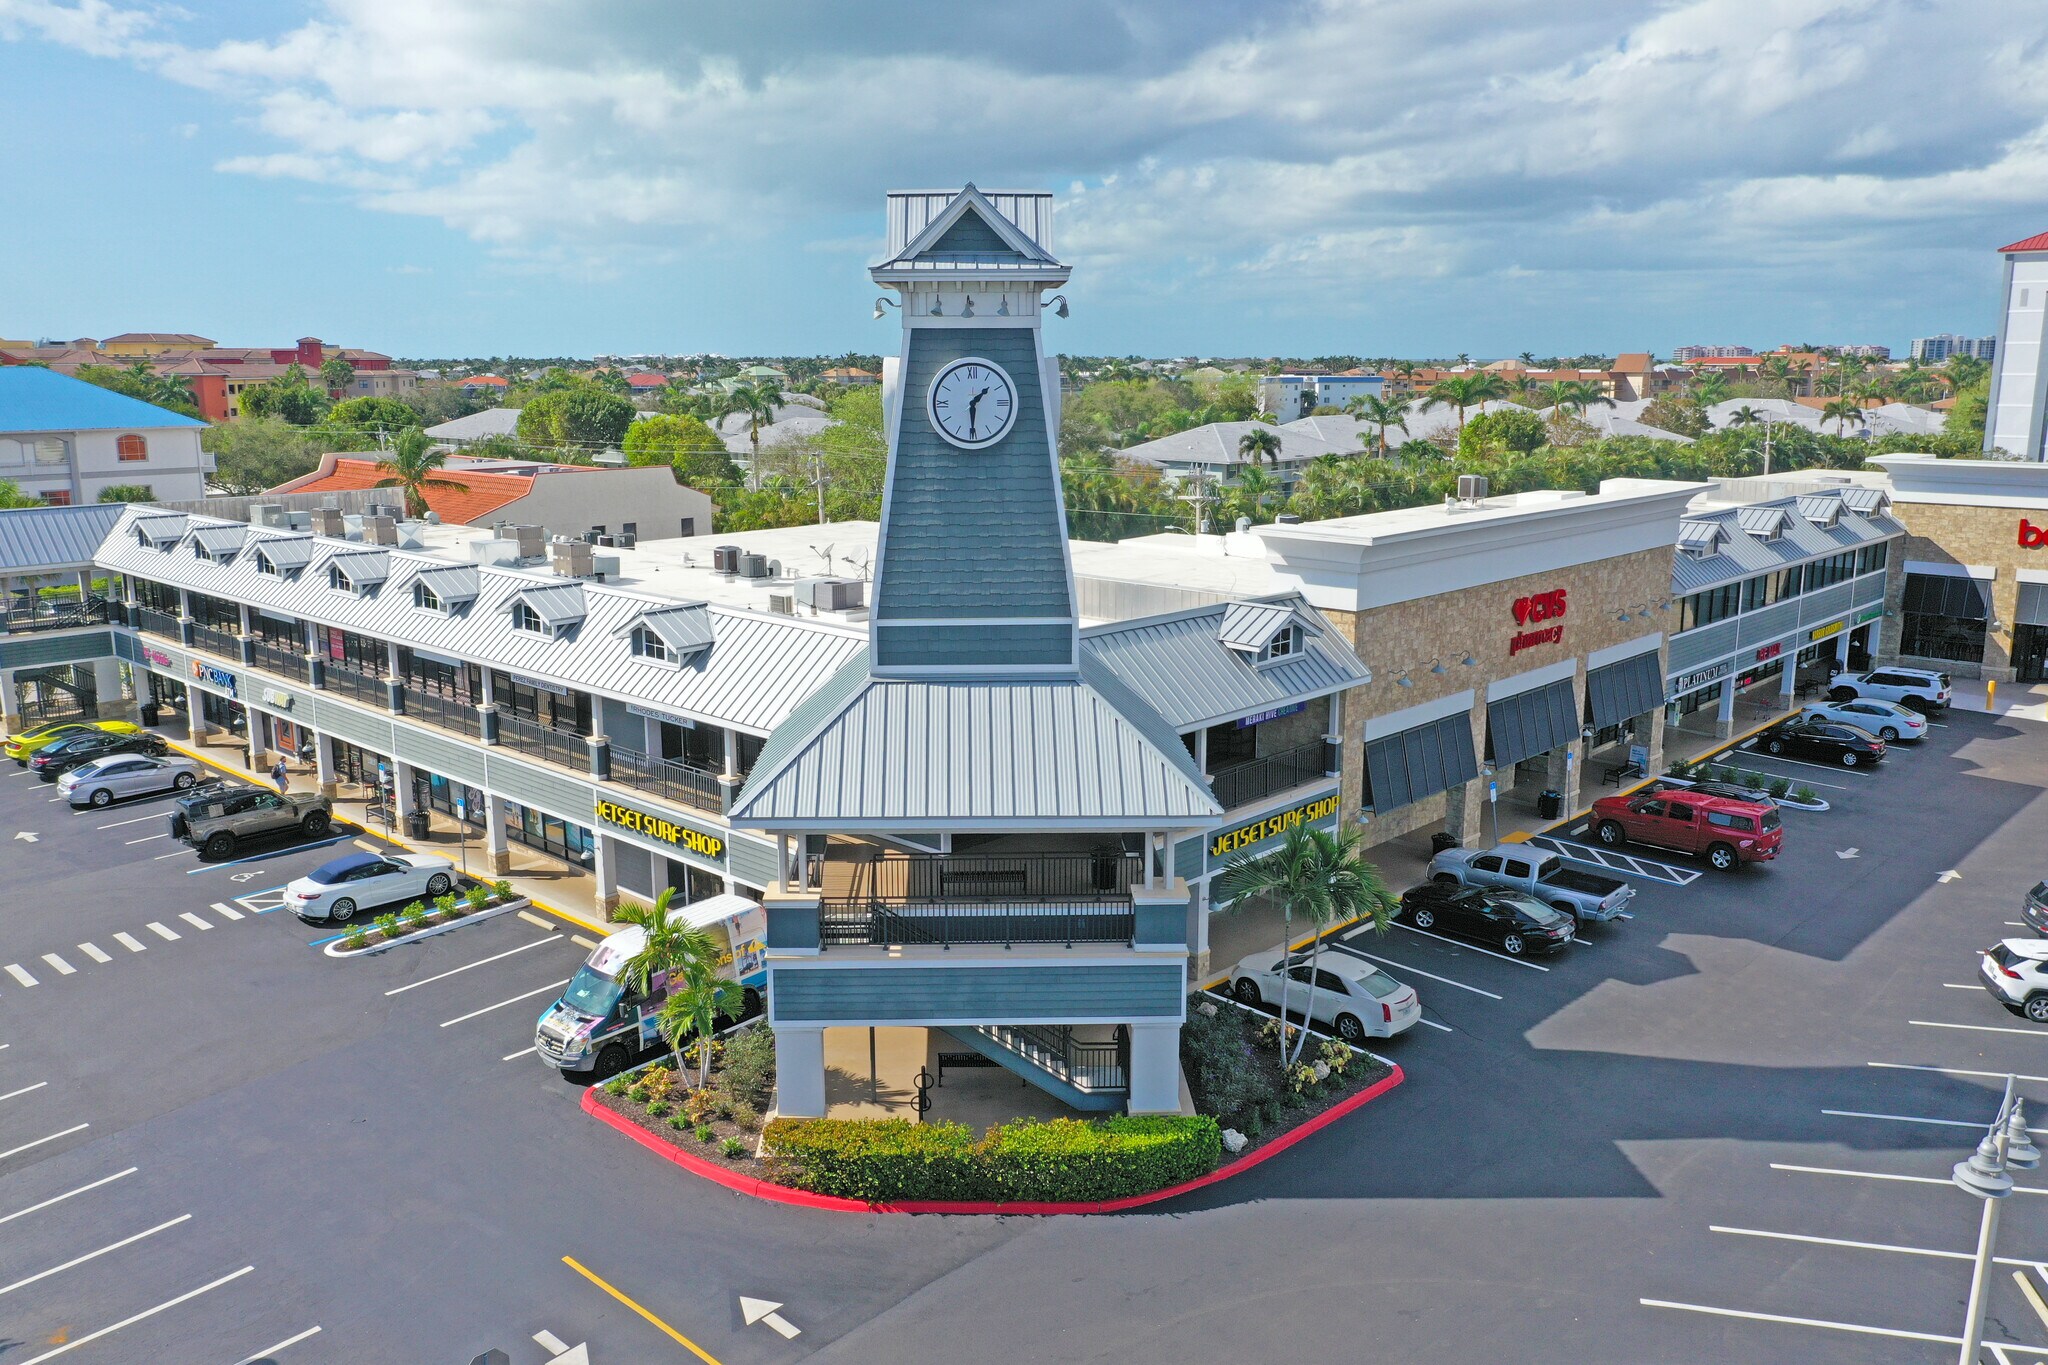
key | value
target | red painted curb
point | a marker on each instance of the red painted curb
(783, 1194)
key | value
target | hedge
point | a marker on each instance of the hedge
(1065, 1159)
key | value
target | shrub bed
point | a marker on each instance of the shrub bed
(1058, 1160)
(1231, 1059)
(425, 915)
(719, 1123)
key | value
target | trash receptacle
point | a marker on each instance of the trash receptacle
(418, 825)
(1440, 841)
(152, 714)
(1550, 804)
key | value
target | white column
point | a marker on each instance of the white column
(605, 867)
(10, 709)
(323, 765)
(391, 660)
(111, 689)
(1155, 1068)
(1724, 716)
(732, 752)
(496, 853)
(800, 1072)
(256, 731)
(402, 776)
(1842, 638)
(195, 716)
(1788, 681)
(1202, 752)
(1200, 937)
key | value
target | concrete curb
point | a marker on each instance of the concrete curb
(1819, 803)
(474, 917)
(782, 1194)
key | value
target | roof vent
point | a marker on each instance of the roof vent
(1472, 488)
(782, 603)
(1287, 519)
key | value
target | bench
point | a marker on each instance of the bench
(960, 1059)
(1612, 776)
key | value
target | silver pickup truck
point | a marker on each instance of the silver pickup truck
(1544, 875)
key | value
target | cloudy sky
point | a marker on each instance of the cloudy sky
(1408, 177)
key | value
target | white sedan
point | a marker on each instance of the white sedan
(1888, 720)
(1351, 996)
(361, 881)
(105, 780)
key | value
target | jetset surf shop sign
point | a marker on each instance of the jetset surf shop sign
(1531, 611)
(1272, 826)
(663, 830)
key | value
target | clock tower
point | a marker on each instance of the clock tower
(972, 577)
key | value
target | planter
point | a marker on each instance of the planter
(340, 948)
(1788, 801)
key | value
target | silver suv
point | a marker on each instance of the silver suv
(1923, 689)
(214, 822)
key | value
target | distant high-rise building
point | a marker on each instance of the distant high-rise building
(1935, 349)
(2019, 381)
(1867, 352)
(1685, 355)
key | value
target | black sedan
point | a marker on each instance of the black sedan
(54, 760)
(1826, 741)
(1516, 923)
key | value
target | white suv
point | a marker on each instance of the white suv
(2017, 977)
(1920, 688)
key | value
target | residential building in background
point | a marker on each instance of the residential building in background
(2019, 381)
(1335, 390)
(1288, 397)
(1685, 355)
(1936, 349)
(149, 345)
(218, 374)
(566, 500)
(63, 440)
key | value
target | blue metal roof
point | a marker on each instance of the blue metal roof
(35, 399)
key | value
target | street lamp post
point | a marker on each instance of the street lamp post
(1984, 1175)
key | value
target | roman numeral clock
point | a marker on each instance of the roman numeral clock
(972, 403)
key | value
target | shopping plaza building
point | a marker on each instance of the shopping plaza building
(983, 777)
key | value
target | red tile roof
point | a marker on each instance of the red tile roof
(646, 381)
(478, 497)
(2037, 242)
(490, 380)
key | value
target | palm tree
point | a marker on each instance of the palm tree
(1744, 416)
(411, 466)
(1319, 874)
(1776, 369)
(696, 1002)
(1255, 488)
(1382, 413)
(758, 402)
(1585, 393)
(667, 944)
(1842, 411)
(1463, 391)
(1261, 443)
(1709, 389)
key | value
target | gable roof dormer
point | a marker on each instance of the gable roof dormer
(1822, 509)
(685, 630)
(1867, 502)
(1701, 539)
(159, 532)
(451, 589)
(1766, 521)
(220, 544)
(360, 571)
(283, 556)
(1251, 627)
(558, 607)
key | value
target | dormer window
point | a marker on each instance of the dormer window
(526, 618)
(648, 645)
(423, 597)
(1285, 644)
(338, 580)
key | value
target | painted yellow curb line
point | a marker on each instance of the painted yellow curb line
(674, 1335)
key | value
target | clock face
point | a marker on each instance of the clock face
(972, 403)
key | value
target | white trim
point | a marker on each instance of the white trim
(1394, 722)
(1614, 654)
(1937, 569)
(1500, 689)
(2031, 575)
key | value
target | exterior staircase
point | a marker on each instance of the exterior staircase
(1085, 1072)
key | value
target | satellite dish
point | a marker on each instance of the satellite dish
(775, 568)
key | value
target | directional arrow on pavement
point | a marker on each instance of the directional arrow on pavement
(1949, 876)
(763, 1310)
(1847, 852)
(575, 1355)
(24, 834)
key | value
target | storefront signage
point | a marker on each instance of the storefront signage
(278, 697)
(1868, 614)
(214, 677)
(1246, 722)
(1822, 632)
(2032, 537)
(1769, 652)
(540, 684)
(661, 829)
(153, 655)
(1540, 606)
(1529, 639)
(1244, 836)
(1700, 677)
(664, 717)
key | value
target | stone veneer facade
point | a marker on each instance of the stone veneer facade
(1943, 533)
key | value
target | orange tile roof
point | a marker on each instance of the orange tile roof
(478, 497)
(492, 380)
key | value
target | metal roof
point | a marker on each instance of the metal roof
(160, 528)
(1181, 670)
(758, 667)
(286, 552)
(362, 568)
(456, 583)
(34, 399)
(557, 604)
(1745, 548)
(1252, 625)
(684, 629)
(1764, 521)
(220, 540)
(46, 538)
(1701, 534)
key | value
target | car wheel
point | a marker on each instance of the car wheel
(102, 797)
(2036, 1008)
(610, 1062)
(1611, 833)
(218, 845)
(183, 781)
(1776, 746)
(1851, 759)
(1444, 879)
(1247, 992)
(1722, 858)
(315, 824)
(1888, 735)
(1425, 918)
(437, 885)
(1349, 1029)
(1569, 911)
(342, 911)
(1511, 944)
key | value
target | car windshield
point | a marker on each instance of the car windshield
(1379, 983)
(590, 993)
(1771, 820)
(2040, 891)
(1532, 909)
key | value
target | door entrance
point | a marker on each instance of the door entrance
(2030, 653)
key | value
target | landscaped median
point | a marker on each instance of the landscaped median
(1251, 1108)
(424, 919)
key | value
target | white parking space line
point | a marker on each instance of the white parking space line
(1803, 763)
(1534, 967)
(58, 1199)
(502, 1003)
(224, 910)
(130, 942)
(456, 971)
(92, 950)
(24, 1090)
(194, 920)
(95, 1255)
(149, 838)
(1858, 1246)
(523, 1052)
(1856, 1327)
(63, 968)
(136, 821)
(1431, 1023)
(14, 970)
(1953, 1071)
(1413, 971)
(1887, 1175)
(1910, 1118)
(1668, 873)
(131, 1321)
(1961, 986)
(269, 1351)
(17, 1151)
(1981, 1028)
(179, 854)
(167, 935)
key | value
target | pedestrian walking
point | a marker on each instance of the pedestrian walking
(280, 774)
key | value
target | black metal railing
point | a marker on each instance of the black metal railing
(880, 924)
(56, 614)
(157, 622)
(284, 662)
(216, 641)
(539, 741)
(1096, 1065)
(350, 683)
(1100, 878)
(1243, 783)
(449, 713)
(669, 778)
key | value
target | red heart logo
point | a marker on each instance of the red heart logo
(1521, 611)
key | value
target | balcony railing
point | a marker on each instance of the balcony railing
(669, 778)
(60, 614)
(1090, 1064)
(157, 622)
(883, 925)
(284, 662)
(214, 640)
(539, 741)
(946, 878)
(1242, 783)
(941, 900)
(449, 713)
(361, 686)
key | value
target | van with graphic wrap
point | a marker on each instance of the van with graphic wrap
(601, 1024)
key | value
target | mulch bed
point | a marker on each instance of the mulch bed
(685, 1137)
(1360, 1073)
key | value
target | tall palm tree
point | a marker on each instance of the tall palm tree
(1321, 876)
(697, 1001)
(1841, 411)
(1255, 488)
(410, 466)
(1709, 389)
(1586, 393)
(1463, 391)
(1260, 444)
(1382, 413)
(667, 944)
(757, 401)
(1744, 416)
(1776, 369)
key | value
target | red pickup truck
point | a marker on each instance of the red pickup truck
(1728, 831)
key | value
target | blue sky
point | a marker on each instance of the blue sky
(1408, 177)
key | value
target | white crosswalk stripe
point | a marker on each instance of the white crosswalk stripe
(225, 911)
(92, 951)
(167, 935)
(194, 920)
(63, 968)
(130, 942)
(14, 970)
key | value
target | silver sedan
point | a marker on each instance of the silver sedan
(105, 780)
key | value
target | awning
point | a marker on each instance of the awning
(1624, 690)
(1411, 764)
(1531, 722)
(1947, 595)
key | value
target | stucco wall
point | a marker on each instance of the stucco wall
(1943, 534)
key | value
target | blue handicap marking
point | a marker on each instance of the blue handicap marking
(1610, 861)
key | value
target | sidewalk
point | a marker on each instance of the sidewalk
(2020, 701)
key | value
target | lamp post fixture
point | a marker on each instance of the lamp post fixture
(1984, 1175)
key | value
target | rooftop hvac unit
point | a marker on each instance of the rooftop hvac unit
(572, 559)
(830, 594)
(782, 603)
(380, 530)
(628, 539)
(327, 521)
(266, 514)
(753, 565)
(1471, 488)
(528, 539)
(1287, 519)
(725, 559)
(606, 542)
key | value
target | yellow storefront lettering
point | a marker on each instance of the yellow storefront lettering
(661, 828)
(1272, 826)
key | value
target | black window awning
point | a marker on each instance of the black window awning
(1531, 722)
(1407, 766)
(1624, 690)
(1931, 594)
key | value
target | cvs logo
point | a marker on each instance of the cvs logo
(2032, 537)
(1548, 606)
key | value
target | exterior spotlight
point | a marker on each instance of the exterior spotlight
(1438, 668)
(880, 304)
(1469, 662)
(1404, 681)
(1059, 305)
(968, 311)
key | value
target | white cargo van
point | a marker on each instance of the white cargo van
(601, 1025)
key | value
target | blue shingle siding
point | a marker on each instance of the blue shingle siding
(1761, 627)
(33, 650)
(972, 534)
(978, 646)
(532, 785)
(444, 757)
(751, 860)
(970, 234)
(1187, 859)
(1824, 605)
(634, 868)
(355, 726)
(998, 994)
(1695, 647)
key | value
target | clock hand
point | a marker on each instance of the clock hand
(972, 404)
